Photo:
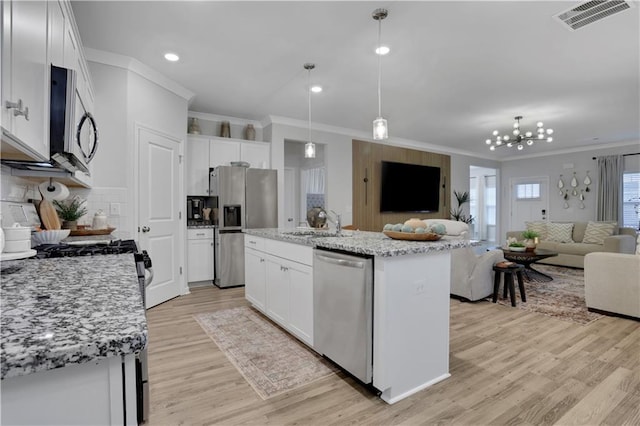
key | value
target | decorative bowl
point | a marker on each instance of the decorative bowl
(410, 236)
(49, 236)
(519, 249)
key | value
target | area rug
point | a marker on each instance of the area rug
(271, 361)
(562, 298)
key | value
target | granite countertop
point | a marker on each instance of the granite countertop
(359, 242)
(57, 312)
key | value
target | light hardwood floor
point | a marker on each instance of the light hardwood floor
(508, 367)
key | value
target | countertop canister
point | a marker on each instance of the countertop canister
(99, 220)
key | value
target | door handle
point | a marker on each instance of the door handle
(146, 229)
(290, 219)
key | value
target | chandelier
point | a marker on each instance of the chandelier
(380, 128)
(520, 138)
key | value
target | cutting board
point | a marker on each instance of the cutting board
(48, 215)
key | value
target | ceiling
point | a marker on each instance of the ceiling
(456, 72)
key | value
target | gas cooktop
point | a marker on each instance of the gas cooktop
(45, 251)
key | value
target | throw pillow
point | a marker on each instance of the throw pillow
(560, 232)
(539, 227)
(596, 232)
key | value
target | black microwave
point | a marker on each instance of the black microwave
(72, 145)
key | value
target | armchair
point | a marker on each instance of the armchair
(612, 283)
(471, 274)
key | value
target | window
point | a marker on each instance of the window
(631, 200)
(528, 191)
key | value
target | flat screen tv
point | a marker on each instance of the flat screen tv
(409, 188)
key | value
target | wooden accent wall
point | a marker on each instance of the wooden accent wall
(367, 157)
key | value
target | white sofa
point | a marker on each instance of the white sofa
(572, 253)
(471, 274)
(612, 283)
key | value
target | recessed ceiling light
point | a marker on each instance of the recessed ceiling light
(382, 50)
(172, 57)
(316, 89)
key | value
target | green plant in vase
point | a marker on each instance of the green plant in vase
(462, 198)
(530, 239)
(70, 211)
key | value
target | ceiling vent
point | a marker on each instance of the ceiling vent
(591, 11)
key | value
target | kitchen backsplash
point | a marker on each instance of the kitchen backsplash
(21, 190)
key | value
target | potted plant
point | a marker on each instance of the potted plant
(70, 211)
(530, 239)
(462, 198)
(517, 246)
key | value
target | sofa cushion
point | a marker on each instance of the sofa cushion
(580, 249)
(549, 245)
(597, 231)
(539, 227)
(560, 232)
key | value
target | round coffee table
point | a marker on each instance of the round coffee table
(527, 258)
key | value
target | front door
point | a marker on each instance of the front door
(159, 195)
(529, 201)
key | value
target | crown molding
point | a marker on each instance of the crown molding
(366, 136)
(133, 65)
(232, 120)
(573, 150)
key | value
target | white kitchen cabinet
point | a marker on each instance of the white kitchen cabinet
(197, 165)
(200, 254)
(255, 274)
(279, 282)
(257, 154)
(224, 150)
(25, 77)
(255, 271)
(301, 300)
(56, 33)
(277, 291)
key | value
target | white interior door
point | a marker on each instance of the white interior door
(290, 198)
(529, 201)
(159, 195)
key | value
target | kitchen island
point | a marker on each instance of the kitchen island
(411, 283)
(70, 330)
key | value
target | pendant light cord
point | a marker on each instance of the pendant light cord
(379, 69)
(309, 95)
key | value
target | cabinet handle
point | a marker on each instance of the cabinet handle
(251, 242)
(17, 108)
(261, 260)
(146, 229)
(200, 234)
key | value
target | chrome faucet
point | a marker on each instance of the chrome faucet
(336, 221)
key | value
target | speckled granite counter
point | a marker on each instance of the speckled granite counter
(64, 311)
(360, 242)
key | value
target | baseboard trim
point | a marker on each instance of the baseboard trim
(613, 314)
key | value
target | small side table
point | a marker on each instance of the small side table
(509, 287)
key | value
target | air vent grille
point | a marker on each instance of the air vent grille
(590, 12)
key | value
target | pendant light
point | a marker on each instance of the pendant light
(380, 128)
(309, 147)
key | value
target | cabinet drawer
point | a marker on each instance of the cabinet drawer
(254, 242)
(294, 252)
(200, 233)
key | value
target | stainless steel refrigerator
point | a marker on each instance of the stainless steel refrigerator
(247, 198)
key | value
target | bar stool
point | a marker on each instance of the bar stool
(508, 272)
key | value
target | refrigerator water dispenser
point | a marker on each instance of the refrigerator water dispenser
(232, 215)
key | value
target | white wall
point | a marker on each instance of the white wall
(552, 166)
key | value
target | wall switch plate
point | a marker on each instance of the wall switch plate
(114, 209)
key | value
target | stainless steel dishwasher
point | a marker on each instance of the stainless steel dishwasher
(343, 311)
